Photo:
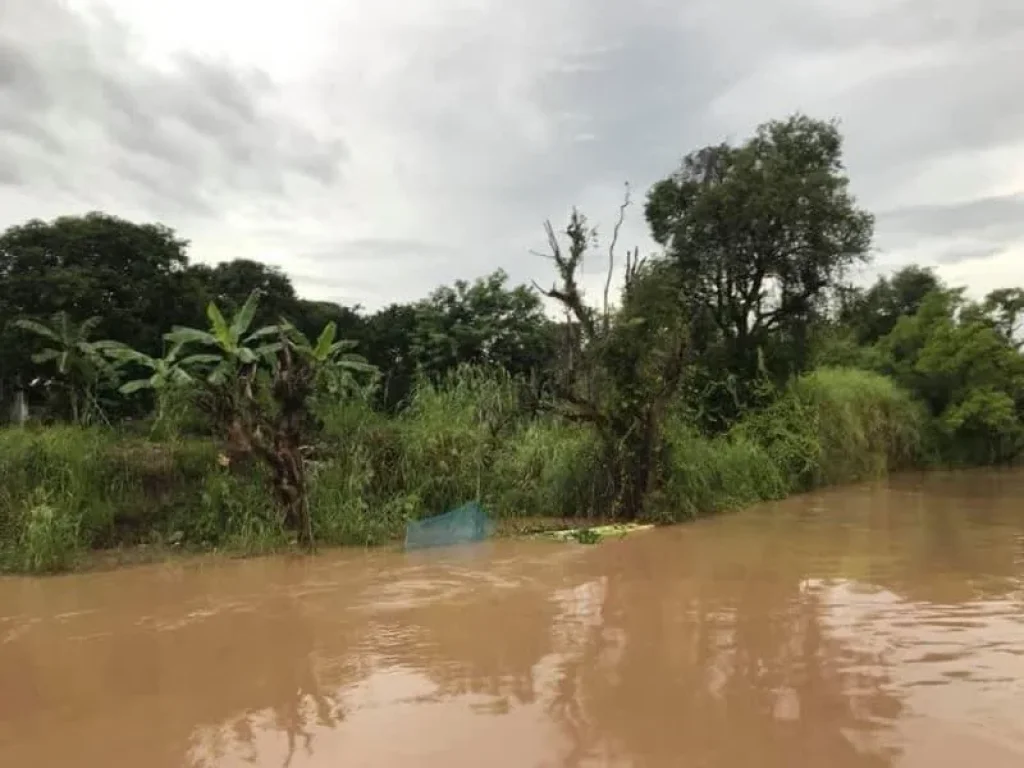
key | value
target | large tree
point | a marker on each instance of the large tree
(230, 283)
(759, 233)
(130, 276)
(628, 368)
(484, 322)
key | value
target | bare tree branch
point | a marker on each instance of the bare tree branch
(611, 254)
(569, 293)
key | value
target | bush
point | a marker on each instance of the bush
(463, 439)
(548, 469)
(838, 425)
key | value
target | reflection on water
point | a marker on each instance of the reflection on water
(871, 627)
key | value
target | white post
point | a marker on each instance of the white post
(19, 410)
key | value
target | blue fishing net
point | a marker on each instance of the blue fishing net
(463, 525)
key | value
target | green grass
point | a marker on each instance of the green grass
(94, 489)
(831, 426)
(711, 475)
(838, 425)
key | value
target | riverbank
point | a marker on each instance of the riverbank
(130, 555)
(69, 491)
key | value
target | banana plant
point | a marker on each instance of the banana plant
(259, 387)
(78, 361)
(332, 360)
(233, 348)
(161, 373)
(170, 370)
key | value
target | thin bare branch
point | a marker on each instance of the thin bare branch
(611, 254)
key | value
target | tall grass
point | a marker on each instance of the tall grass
(705, 475)
(830, 426)
(94, 488)
(838, 425)
(68, 489)
(466, 438)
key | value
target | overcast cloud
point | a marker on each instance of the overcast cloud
(376, 150)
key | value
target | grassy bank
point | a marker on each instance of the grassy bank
(67, 490)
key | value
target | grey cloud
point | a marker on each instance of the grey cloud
(489, 155)
(999, 216)
(384, 255)
(648, 97)
(377, 271)
(968, 104)
(18, 73)
(193, 134)
(161, 186)
(648, 88)
(9, 173)
(957, 254)
(388, 248)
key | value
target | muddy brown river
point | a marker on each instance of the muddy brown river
(864, 627)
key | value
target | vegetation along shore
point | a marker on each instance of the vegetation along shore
(154, 401)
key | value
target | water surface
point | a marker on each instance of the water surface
(865, 627)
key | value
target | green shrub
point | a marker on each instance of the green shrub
(837, 425)
(349, 506)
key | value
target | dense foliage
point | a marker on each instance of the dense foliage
(203, 406)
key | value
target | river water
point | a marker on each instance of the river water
(872, 626)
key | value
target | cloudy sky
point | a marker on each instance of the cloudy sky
(375, 149)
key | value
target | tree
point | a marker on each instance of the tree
(389, 339)
(311, 317)
(168, 371)
(333, 361)
(160, 374)
(129, 275)
(966, 372)
(1005, 306)
(874, 313)
(94, 265)
(229, 284)
(760, 233)
(78, 362)
(483, 323)
(630, 366)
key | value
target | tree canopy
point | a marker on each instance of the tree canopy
(761, 233)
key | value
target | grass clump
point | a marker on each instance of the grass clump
(707, 475)
(837, 425)
(49, 536)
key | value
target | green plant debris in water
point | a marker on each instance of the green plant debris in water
(595, 534)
